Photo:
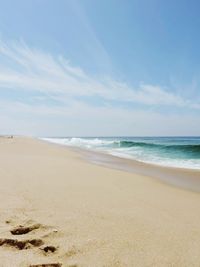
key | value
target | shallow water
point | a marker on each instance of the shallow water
(181, 152)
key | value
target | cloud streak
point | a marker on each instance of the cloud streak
(28, 69)
(44, 94)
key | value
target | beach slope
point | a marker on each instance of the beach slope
(56, 208)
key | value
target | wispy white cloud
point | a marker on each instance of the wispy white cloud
(56, 98)
(29, 69)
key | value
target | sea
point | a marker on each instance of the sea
(179, 152)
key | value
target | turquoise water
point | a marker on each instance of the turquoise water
(167, 151)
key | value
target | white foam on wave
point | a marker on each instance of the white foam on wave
(125, 152)
(80, 142)
(177, 163)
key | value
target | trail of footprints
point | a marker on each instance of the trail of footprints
(20, 244)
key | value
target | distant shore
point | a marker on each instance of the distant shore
(60, 206)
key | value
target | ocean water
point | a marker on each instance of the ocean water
(183, 152)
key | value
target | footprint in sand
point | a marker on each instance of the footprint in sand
(21, 244)
(48, 249)
(22, 230)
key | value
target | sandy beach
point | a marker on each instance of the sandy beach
(57, 208)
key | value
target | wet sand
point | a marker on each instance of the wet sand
(58, 208)
(188, 179)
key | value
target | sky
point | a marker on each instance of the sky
(100, 68)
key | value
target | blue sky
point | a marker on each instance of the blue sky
(89, 68)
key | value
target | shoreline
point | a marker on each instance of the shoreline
(140, 149)
(185, 178)
(90, 215)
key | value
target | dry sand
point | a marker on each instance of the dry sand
(90, 215)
